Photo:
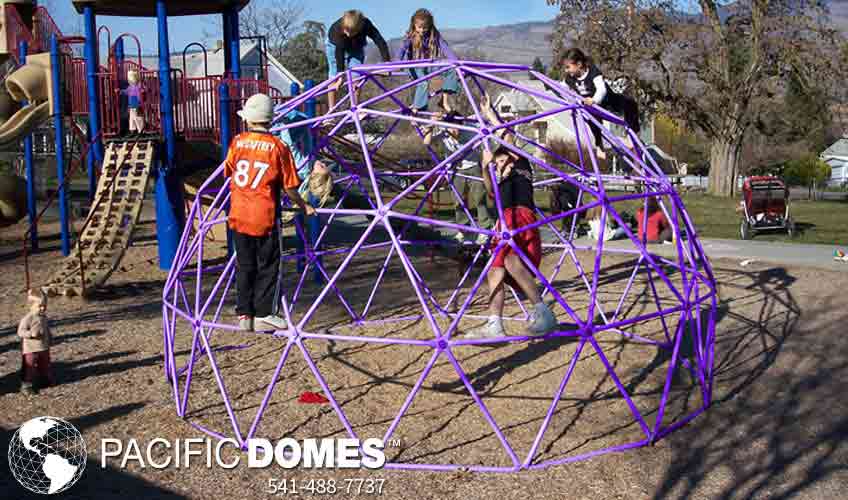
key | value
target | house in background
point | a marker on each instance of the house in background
(837, 157)
(559, 127)
(252, 62)
(550, 129)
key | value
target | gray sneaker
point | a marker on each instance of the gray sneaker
(491, 330)
(246, 323)
(271, 322)
(543, 323)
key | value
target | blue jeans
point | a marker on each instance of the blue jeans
(352, 58)
(421, 100)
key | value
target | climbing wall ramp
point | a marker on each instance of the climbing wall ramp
(111, 221)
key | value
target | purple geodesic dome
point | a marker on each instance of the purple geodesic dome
(388, 241)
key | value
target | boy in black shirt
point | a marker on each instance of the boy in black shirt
(346, 42)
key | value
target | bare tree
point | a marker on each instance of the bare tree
(717, 69)
(276, 20)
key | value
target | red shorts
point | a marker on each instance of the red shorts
(530, 242)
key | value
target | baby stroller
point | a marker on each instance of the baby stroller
(765, 206)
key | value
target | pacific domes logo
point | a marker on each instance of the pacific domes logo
(47, 455)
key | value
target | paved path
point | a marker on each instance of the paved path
(789, 254)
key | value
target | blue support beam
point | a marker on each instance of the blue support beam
(310, 103)
(228, 40)
(235, 44)
(170, 210)
(91, 68)
(226, 139)
(30, 167)
(119, 63)
(59, 127)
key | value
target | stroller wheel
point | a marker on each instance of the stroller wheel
(745, 230)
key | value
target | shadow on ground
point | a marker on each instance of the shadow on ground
(773, 436)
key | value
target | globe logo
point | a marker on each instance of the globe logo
(47, 455)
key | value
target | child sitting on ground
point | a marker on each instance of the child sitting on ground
(34, 331)
(658, 228)
(612, 231)
(258, 165)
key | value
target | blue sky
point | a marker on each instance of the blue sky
(391, 17)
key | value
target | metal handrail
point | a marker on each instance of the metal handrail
(50, 201)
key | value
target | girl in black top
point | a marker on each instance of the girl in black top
(515, 191)
(346, 42)
(588, 81)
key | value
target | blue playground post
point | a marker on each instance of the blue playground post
(228, 37)
(59, 127)
(170, 211)
(91, 68)
(294, 90)
(235, 46)
(310, 103)
(30, 167)
(90, 166)
(119, 53)
(226, 139)
(119, 63)
(314, 223)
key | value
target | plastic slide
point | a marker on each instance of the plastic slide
(12, 199)
(31, 83)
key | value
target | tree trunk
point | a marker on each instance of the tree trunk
(724, 165)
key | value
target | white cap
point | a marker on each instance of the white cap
(258, 109)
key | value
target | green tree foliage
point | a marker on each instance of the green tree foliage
(808, 170)
(304, 53)
(538, 66)
(719, 67)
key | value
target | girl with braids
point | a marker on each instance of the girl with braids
(423, 41)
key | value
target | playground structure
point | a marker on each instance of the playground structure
(674, 314)
(60, 81)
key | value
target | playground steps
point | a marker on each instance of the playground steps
(112, 218)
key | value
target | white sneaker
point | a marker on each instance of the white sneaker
(246, 323)
(482, 239)
(271, 322)
(460, 237)
(544, 321)
(493, 329)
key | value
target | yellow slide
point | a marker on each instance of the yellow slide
(30, 83)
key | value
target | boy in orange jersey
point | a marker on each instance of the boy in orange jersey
(259, 165)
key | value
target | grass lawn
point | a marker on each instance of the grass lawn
(817, 221)
(823, 222)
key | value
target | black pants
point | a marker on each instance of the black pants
(619, 104)
(258, 264)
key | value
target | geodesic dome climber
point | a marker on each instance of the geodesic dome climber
(384, 336)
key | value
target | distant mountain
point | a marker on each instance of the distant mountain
(522, 43)
(511, 43)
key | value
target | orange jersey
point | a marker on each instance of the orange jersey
(258, 165)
